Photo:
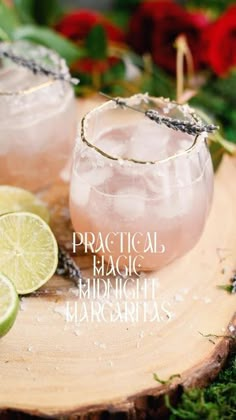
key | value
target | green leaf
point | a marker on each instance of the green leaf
(129, 5)
(3, 35)
(8, 20)
(217, 143)
(115, 73)
(24, 9)
(216, 7)
(43, 12)
(46, 11)
(227, 287)
(96, 43)
(217, 153)
(217, 97)
(157, 83)
(168, 381)
(50, 39)
(120, 17)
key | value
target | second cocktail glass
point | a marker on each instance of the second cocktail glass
(37, 119)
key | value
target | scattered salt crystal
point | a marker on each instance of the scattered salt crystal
(207, 300)
(110, 362)
(61, 310)
(185, 290)
(23, 306)
(178, 298)
(28, 368)
(102, 346)
(186, 109)
(77, 332)
(166, 110)
(56, 368)
(141, 334)
(30, 348)
(38, 319)
(74, 291)
(231, 328)
(145, 97)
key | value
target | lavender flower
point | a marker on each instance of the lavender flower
(36, 67)
(67, 267)
(190, 127)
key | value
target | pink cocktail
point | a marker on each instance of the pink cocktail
(145, 180)
(37, 120)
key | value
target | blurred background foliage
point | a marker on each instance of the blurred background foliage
(97, 47)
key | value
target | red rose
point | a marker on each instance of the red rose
(221, 42)
(78, 24)
(90, 65)
(155, 26)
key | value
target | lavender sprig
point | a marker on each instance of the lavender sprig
(189, 127)
(233, 284)
(37, 68)
(68, 268)
(230, 288)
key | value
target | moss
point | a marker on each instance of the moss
(216, 402)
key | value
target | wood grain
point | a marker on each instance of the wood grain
(51, 367)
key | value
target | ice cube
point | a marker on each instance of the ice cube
(82, 183)
(97, 176)
(80, 191)
(114, 141)
(177, 205)
(149, 141)
(129, 203)
(184, 144)
(157, 179)
(112, 147)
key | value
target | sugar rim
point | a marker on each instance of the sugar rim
(197, 139)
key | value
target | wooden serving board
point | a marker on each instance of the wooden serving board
(51, 367)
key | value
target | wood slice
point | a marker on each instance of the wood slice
(51, 367)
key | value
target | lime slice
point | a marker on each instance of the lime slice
(16, 199)
(9, 304)
(28, 251)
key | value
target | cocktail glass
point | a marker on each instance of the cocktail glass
(37, 119)
(146, 180)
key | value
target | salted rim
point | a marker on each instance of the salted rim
(29, 90)
(84, 121)
(33, 89)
